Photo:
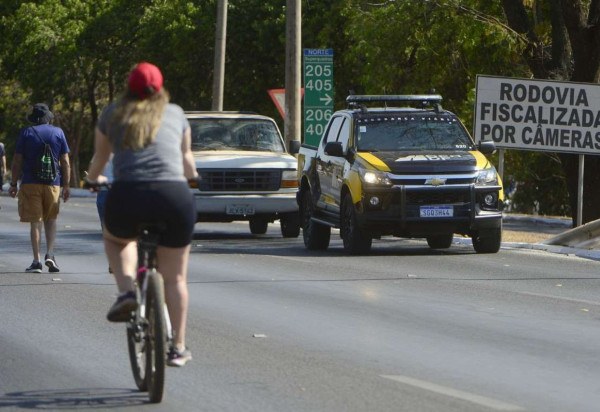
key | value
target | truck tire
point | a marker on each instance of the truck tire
(487, 241)
(290, 224)
(440, 241)
(258, 225)
(355, 240)
(316, 235)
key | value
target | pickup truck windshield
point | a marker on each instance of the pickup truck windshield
(412, 132)
(235, 134)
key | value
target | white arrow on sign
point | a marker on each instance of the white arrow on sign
(327, 98)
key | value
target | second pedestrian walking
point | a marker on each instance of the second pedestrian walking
(39, 192)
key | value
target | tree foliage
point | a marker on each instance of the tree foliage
(75, 55)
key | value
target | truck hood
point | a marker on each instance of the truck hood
(402, 162)
(240, 159)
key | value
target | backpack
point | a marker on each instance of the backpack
(46, 169)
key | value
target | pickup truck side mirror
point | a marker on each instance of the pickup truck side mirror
(334, 149)
(487, 147)
(294, 146)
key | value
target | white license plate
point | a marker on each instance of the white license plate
(239, 210)
(437, 211)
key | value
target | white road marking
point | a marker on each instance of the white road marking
(454, 393)
(541, 295)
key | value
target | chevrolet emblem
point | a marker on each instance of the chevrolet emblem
(436, 181)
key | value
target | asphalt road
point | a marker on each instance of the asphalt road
(275, 328)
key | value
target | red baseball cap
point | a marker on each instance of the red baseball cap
(145, 79)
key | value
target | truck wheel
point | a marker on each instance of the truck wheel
(258, 225)
(440, 241)
(316, 235)
(487, 241)
(290, 224)
(355, 240)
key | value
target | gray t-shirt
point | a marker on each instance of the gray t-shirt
(161, 160)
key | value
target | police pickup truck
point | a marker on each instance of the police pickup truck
(411, 172)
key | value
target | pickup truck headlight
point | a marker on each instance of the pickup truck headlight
(487, 176)
(289, 179)
(375, 177)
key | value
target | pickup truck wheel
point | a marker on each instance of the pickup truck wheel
(290, 224)
(487, 241)
(355, 241)
(258, 225)
(440, 241)
(316, 235)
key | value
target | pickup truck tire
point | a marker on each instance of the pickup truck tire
(258, 225)
(290, 225)
(487, 241)
(316, 235)
(355, 240)
(440, 241)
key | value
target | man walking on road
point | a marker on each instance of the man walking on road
(39, 199)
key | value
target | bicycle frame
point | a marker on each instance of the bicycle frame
(149, 330)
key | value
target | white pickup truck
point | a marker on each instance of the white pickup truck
(245, 171)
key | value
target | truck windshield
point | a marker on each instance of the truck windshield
(411, 132)
(235, 134)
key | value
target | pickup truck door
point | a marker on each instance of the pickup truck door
(338, 164)
(326, 164)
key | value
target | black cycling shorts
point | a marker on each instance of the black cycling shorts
(129, 205)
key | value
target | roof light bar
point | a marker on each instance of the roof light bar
(421, 98)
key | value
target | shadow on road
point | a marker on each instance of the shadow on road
(73, 399)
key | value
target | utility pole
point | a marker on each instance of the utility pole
(219, 64)
(292, 121)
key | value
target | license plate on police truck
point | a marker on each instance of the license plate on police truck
(436, 211)
(239, 210)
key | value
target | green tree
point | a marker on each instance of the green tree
(563, 42)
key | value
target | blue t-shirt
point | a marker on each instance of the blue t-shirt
(31, 147)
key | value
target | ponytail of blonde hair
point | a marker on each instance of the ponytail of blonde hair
(139, 119)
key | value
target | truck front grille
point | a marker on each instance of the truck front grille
(239, 180)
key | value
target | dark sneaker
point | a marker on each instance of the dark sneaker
(178, 358)
(35, 267)
(121, 310)
(50, 261)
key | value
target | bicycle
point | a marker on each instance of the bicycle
(149, 330)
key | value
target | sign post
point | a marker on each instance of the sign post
(318, 93)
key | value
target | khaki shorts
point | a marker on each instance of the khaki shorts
(38, 202)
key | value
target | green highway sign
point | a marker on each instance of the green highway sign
(318, 93)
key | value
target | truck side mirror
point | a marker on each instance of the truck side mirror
(487, 147)
(334, 149)
(294, 146)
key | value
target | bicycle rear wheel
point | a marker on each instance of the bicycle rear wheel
(137, 345)
(156, 337)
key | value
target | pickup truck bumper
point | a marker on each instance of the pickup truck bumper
(398, 212)
(230, 207)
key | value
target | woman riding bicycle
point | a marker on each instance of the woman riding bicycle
(152, 163)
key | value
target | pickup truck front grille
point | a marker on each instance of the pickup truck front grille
(239, 180)
(433, 197)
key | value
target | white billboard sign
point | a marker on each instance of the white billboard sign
(540, 115)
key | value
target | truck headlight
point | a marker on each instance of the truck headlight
(375, 177)
(289, 179)
(487, 176)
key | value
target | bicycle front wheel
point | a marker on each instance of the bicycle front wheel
(156, 337)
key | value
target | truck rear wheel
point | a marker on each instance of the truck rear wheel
(290, 224)
(316, 235)
(355, 240)
(440, 241)
(487, 241)
(258, 225)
